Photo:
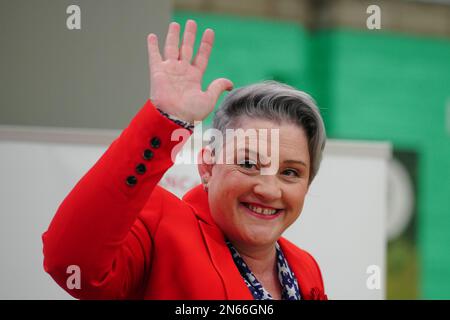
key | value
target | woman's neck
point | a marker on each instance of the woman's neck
(263, 264)
(261, 260)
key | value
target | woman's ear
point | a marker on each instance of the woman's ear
(205, 162)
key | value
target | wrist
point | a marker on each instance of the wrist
(183, 123)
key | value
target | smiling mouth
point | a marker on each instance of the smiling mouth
(266, 213)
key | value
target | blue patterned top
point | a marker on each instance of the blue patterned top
(289, 285)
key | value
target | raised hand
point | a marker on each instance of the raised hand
(175, 81)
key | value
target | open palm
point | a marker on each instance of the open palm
(176, 81)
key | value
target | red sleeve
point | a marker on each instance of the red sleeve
(97, 226)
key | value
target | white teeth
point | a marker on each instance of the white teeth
(259, 210)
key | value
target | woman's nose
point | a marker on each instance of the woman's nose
(267, 189)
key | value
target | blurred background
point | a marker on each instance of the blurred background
(389, 84)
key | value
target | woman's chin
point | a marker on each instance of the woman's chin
(259, 238)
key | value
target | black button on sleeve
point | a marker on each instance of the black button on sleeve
(155, 142)
(148, 154)
(141, 168)
(131, 181)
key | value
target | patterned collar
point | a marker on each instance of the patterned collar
(287, 278)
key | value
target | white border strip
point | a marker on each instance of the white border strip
(57, 135)
(105, 137)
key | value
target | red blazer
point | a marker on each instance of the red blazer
(141, 241)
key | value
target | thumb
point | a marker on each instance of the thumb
(217, 87)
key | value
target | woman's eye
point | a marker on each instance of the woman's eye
(247, 164)
(291, 173)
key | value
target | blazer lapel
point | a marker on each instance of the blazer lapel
(220, 255)
(299, 267)
(234, 285)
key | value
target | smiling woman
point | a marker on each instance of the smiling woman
(252, 208)
(132, 239)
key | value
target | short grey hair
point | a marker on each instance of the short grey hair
(275, 101)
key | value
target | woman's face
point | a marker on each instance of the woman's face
(243, 200)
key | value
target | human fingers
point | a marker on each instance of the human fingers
(171, 50)
(154, 54)
(187, 46)
(204, 50)
(218, 86)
